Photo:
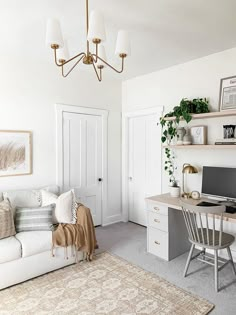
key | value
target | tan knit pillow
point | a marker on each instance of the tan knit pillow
(7, 227)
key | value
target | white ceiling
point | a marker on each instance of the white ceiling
(163, 32)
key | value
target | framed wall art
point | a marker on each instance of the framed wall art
(199, 134)
(227, 100)
(15, 152)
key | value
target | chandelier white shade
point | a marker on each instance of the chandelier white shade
(63, 53)
(102, 55)
(95, 35)
(123, 43)
(54, 34)
(96, 29)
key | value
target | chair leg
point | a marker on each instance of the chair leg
(188, 260)
(231, 259)
(204, 253)
(216, 271)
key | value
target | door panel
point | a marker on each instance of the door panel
(82, 136)
(144, 165)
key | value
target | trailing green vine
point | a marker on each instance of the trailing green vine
(169, 127)
(170, 167)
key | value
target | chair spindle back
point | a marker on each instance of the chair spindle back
(196, 216)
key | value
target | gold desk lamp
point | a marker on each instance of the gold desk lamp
(187, 169)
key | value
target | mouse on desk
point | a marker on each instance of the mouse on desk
(230, 209)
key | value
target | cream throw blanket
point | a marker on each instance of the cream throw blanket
(80, 236)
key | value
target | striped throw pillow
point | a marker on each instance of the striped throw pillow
(34, 219)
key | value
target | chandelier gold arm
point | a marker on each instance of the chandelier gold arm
(96, 52)
(87, 25)
(99, 76)
(62, 68)
(95, 57)
(67, 61)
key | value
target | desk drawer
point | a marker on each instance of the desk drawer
(158, 221)
(155, 207)
(158, 243)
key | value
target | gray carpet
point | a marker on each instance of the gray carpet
(128, 241)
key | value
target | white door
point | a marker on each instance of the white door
(144, 164)
(82, 159)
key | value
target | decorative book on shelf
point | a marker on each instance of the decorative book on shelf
(231, 141)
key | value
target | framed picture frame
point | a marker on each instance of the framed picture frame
(15, 152)
(198, 134)
(227, 98)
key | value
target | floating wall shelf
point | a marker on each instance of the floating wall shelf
(208, 115)
(201, 146)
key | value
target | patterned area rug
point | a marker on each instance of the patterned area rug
(107, 285)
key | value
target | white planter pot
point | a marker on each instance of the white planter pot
(175, 191)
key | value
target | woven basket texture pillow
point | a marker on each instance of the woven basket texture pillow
(7, 227)
(34, 219)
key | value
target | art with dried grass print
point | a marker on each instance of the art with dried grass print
(15, 153)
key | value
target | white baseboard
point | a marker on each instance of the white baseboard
(124, 217)
(112, 219)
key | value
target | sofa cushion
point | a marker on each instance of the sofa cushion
(34, 219)
(7, 227)
(34, 242)
(10, 249)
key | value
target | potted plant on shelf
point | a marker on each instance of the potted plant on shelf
(170, 169)
(183, 111)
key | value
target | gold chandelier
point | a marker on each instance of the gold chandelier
(95, 34)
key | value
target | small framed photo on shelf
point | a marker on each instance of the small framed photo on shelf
(199, 134)
(227, 100)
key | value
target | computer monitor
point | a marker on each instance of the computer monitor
(219, 182)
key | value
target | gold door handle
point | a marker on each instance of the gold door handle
(156, 208)
(156, 220)
(157, 243)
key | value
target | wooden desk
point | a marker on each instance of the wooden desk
(167, 235)
(167, 200)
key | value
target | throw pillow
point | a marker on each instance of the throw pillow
(7, 227)
(34, 219)
(23, 198)
(52, 189)
(65, 211)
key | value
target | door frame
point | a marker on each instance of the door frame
(74, 109)
(125, 149)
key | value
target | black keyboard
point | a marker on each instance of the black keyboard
(229, 209)
(207, 204)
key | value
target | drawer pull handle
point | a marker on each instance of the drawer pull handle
(157, 243)
(156, 208)
(156, 220)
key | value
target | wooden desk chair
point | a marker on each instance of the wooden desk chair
(197, 222)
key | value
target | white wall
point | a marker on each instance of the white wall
(29, 91)
(198, 78)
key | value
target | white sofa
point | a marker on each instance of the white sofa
(28, 254)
